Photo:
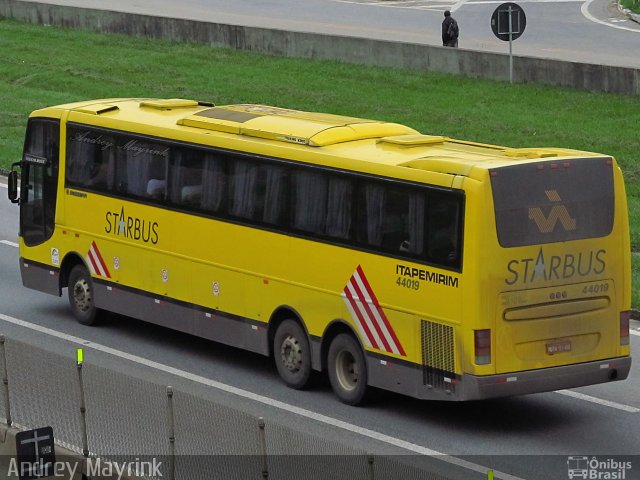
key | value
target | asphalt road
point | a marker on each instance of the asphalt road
(590, 31)
(529, 437)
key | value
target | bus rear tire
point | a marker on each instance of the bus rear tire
(81, 297)
(347, 369)
(292, 354)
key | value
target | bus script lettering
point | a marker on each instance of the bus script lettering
(131, 227)
(555, 267)
(426, 275)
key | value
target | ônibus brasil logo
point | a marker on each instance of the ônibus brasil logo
(597, 469)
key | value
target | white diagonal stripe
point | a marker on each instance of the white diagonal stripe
(376, 314)
(363, 334)
(96, 258)
(90, 264)
(366, 317)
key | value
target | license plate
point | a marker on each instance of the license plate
(558, 347)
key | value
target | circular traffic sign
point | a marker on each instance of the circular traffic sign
(508, 17)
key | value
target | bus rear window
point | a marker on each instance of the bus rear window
(547, 202)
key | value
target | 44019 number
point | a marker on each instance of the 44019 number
(408, 283)
(598, 288)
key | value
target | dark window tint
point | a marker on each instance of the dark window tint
(444, 229)
(391, 217)
(257, 191)
(141, 169)
(39, 181)
(548, 202)
(322, 204)
(91, 159)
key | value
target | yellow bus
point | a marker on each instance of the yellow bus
(438, 268)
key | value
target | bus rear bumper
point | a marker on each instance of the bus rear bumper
(473, 387)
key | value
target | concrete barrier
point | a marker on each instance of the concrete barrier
(488, 65)
(471, 63)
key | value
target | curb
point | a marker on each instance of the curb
(631, 15)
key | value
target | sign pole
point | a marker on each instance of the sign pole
(508, 22)
(510, 47)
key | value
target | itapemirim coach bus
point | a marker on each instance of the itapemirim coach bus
(438, 268)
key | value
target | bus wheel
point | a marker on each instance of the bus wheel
(347, 369)
(81, 296)
(292, 354)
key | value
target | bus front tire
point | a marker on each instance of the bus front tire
(81, 297)
(292, 354)
(347, 369)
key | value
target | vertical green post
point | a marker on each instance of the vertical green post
(490, 475)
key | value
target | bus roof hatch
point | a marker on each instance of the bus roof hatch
(303, 128)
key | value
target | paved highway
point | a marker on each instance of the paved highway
(590, 31)
(528, 437)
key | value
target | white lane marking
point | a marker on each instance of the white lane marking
(11, 244)
(599, 401)
(412, 447)
(634, 332)
(585, 12)
(457, 5)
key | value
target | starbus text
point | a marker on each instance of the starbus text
(555, 267)
(131, 227)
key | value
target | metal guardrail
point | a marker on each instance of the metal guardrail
(110, 415)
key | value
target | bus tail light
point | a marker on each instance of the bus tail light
(624, 327)
(482, 343)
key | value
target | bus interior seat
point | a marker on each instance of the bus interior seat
(191, 194)
(156, 188)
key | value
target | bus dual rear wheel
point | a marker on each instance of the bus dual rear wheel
(81, 297)
(347, 369)
(292, 354)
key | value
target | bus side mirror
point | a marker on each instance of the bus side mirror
(13, 187)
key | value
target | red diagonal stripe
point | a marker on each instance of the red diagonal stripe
(370, 314)
(93, 263)
(382, 314)
(104, 266)
(361, 320)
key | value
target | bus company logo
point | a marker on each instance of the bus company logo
(96, 262)
(367, 314)
(558, 213)
(134, 228)
(596, 469)
(545, 267)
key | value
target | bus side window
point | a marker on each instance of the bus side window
(392, 219)
(443, 229)
(322, 204)
(90, 159)
(186, 178)
(142, 169)
(214, 184)
(157, 183)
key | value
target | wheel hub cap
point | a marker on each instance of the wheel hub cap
(347, 370)
(82, 295)
(291, 354)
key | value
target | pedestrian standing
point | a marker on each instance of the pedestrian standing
(450, 30)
